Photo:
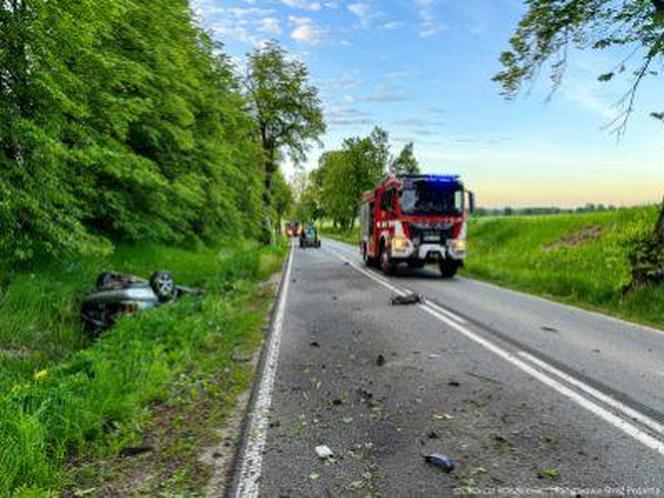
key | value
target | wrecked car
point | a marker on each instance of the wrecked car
(117, 294)
(309, 237)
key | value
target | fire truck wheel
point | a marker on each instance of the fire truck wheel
(369, 262)
(448, 268)
(386, 264)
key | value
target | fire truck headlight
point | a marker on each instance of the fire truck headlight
(459, 245)
(399, 244)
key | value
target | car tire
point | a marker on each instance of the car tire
(448, 269)
(162, 285)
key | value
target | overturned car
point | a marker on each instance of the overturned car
(117, 294)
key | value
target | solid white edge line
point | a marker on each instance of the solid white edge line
(608, 400)
(619, 423)
(447, 313)
(252, 457)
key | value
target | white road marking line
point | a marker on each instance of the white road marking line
(367, 273)
(628, 428)
(513, 358)
(447, 313)
(608, 400)
(252, 458)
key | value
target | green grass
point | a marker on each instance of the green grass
(548, 255)
(348, 236)
(65, 400)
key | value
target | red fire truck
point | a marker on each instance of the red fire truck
(416, 219)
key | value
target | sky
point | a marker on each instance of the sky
(422, 70)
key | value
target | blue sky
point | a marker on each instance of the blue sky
(422, 69)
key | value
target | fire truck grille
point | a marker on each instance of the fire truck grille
(431, 235)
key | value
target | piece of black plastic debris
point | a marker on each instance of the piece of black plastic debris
(408, 299)
(337, 401)
(546, 328)
(134, 450)
(441, 461)
(433, 435)
(453, 383)
(314, 344)
(380, 361)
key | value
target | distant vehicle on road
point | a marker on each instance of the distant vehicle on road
(416, 220)
(293, 229)
(309, 237)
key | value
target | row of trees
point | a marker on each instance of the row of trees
(334, 189)
(123, 120)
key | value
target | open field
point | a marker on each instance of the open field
(67, 402)
(580, 259)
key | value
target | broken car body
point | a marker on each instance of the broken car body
(118, 294)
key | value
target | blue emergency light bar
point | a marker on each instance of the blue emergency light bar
(435, 178)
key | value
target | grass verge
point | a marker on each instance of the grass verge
(580, 259)
(68, 403)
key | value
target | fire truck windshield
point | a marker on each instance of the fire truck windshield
(432, 198)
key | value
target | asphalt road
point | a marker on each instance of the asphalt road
(522, 393)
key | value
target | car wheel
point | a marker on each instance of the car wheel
(448, 269)
(162, 285)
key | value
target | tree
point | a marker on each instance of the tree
(551, 27)
(119, 121)
(286, 108)
(346, 173)
(405, 163)
(545, 34)
(282, 197)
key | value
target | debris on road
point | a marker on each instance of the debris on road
(314, 344)
(553, 330)
(441, 461)
(442, 416)
(406, 300)
(380, 360)
(453, 383)
(433, 434)
(324, 452)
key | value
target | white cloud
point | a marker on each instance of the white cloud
(364, 12)
(270, 25)
(306, 30)
(302, 4)
(429, 24)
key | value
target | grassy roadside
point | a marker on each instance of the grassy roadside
(348, 236)
(580, 259)
(165, 378)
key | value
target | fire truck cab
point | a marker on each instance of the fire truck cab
(416, 220)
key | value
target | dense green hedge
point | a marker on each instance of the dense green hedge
(119, 120)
